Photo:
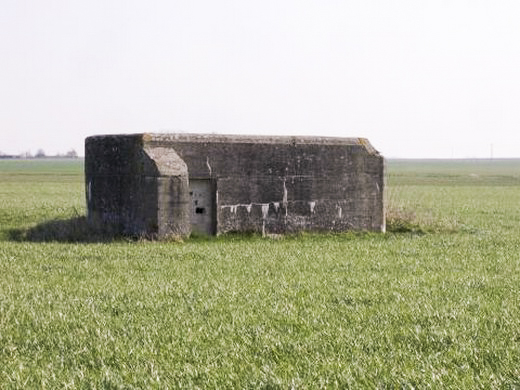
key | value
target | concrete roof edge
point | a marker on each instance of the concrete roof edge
(128, 135)
(241, 138)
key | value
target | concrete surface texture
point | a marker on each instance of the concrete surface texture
(161, 185)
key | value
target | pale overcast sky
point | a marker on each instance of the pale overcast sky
(418, 78)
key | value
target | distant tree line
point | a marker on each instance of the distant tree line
(40, 153)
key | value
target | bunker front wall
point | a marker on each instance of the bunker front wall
(281, 185)
(128, 194)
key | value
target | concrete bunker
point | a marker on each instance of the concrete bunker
(160, 185)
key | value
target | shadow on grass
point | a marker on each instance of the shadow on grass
(78, 230)
(74, 229)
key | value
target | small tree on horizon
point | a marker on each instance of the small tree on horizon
(71, 154)
(40, 153)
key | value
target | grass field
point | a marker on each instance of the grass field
(434, 303)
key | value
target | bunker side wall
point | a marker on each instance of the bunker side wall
(121, 185)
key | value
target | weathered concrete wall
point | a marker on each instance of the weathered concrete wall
(136, 189)
(262, 184)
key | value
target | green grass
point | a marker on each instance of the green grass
(401, 310)
(498, 172)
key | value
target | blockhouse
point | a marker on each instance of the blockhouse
(161, 185)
